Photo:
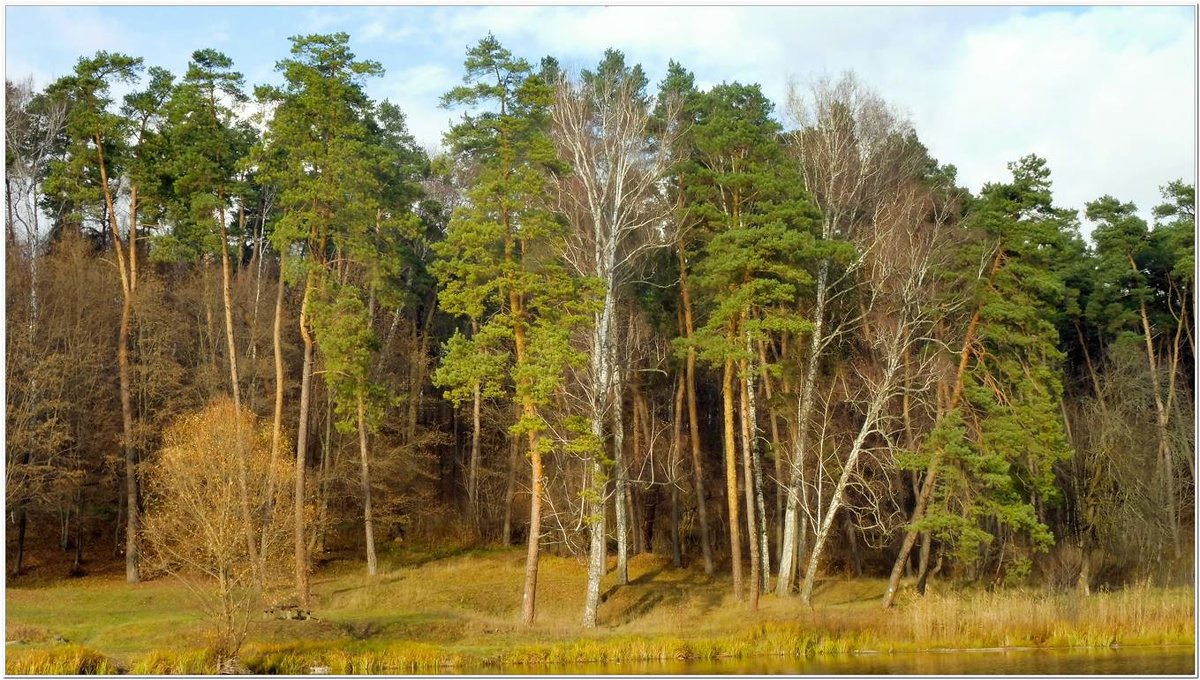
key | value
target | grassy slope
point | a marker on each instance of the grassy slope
(425, 610)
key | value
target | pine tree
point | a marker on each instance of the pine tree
(498, 260)
(316, 151)
(753, 267)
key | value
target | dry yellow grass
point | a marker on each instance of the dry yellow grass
(428, 612)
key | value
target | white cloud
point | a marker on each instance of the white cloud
(416, 91)
(1106, 96)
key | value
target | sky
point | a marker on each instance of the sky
(1107, 94)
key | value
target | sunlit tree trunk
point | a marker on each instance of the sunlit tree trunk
(752, 528)
(735, 537)
(301, 555)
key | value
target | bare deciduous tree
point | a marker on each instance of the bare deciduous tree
(851, 151)
(601, 126)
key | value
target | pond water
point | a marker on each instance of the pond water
(1121, 661)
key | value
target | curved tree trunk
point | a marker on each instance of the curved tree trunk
(277, 422)
(301, 555)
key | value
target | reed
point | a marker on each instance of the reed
(61, 660)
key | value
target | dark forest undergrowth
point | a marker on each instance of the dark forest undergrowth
(460, 610)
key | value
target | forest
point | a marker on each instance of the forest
(252, 330)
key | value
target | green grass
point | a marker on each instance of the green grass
(430, 611)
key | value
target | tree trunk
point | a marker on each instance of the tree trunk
(368, 525)
(793, 519)
(128, 272)
(735, 538)
(1164, 447)
(316, 538)
(77, 566)
(910, 536)
(597, 554)
(417, 375)
(277, 423)
(473, 464)
(301, 556)
(510, 489)
(622, 480)
(923, 563)
(756, 461)
(529, 596)
(22, 520)
(132, 514)
(777, 459)
(676, 445)
(882, 394)
(235, 388)
(529, 415)
(852, 540)
(752, 528)
(694, 420)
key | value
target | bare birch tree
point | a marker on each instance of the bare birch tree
(900, 253)
(601, 127)
(847, 143)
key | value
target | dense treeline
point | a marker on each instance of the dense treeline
(611, 317)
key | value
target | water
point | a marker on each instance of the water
(1122, 661)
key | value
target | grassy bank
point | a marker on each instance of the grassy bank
(427, 612)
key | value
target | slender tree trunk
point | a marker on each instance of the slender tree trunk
(793, 519)
(694, 419)
(910, 536)
(301, 556)
(676, 446)
(510, 488)
(1164, 447)
(601, 367)
(316, 537)
(528, 414)
(777, 459)
(836, 498)
(752, 528)
(756, 461)
(420, 359)
(235, 388)
(368, 524)
(622, 485)
(473, 464)
(735, 538)
(77, 566)
(132, 513)
(22, 520)
(529, 597)
(852, 540)
(277, 423)
(128, 272)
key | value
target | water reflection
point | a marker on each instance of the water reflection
(1122, 661)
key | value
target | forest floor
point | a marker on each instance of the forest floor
(460, 610)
